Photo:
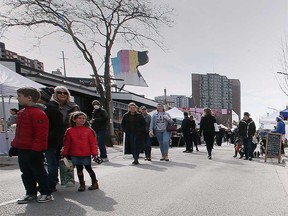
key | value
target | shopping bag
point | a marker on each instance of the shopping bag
(66, 172)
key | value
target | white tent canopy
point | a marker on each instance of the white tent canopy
(268, 122)
(10, 81)
(175, 113)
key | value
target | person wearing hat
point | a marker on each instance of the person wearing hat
(247, 130)
(99, 125)
(133, 124)
(54, 134)
(147, 139)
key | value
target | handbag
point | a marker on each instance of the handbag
(216, 127)
(171, 127)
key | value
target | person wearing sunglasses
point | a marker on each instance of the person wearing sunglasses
(63, 98)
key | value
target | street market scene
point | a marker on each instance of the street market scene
(131, 107)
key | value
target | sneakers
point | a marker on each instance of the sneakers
(105, 159)
(27, 199)
(45, 198)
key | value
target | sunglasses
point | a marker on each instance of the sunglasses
(65, 93)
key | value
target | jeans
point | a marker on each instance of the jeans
(51, 158)
(31, 165)
(163, 138)
(101, 134)
(147, 145)
(248, 150)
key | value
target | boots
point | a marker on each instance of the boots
(94, 185)
(82, 186)
(166, 157)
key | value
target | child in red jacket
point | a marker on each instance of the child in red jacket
(31, 140)
(80, 143)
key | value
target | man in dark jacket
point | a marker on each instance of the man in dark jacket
(186, 127)
(99, 125)
(247, 129)
(133, 124)
(54, 135)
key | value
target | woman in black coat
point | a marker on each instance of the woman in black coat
(208, 130)
(133, 124)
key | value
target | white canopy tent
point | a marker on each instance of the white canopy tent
(10, 81)
(175, 113)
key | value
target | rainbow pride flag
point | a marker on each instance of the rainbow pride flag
(125, 66)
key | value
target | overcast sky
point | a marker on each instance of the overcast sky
(240, 39)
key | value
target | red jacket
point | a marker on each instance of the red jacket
(31, 129)
(80, 141)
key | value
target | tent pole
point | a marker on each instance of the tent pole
(5, 125)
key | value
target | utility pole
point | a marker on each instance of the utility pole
(64, 68)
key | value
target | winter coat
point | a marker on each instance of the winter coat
(133, 123)
(280, 127)
(80, 141)
(186, 126)
(207, 126)
(147, 120)
(31, 129)
(100, 119)
(247, 128)
(55, 136)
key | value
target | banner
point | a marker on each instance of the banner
(125, 66)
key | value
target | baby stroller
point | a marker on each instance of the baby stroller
(262, 140)
(256, 151)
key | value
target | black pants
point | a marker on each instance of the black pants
(187, 140)
(209, 144)
(194, 139)
(31, 164)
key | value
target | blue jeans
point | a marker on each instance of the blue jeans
(51, 159)
(101, 134)
(248, 150)
(147, 145)
(163, 138)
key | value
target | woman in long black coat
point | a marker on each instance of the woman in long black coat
(208, 130)
(133, 124)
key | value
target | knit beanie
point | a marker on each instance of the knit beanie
(46, 93)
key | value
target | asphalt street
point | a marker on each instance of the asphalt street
(189, 184)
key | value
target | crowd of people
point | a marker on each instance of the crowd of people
(49, 126)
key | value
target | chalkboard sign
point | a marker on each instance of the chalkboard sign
(273, 145)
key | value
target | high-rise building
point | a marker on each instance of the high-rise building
(180, 101)
(216, 91)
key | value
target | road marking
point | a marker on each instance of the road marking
(8, 202)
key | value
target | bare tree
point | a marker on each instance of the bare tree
(282, 76)
(92, 25)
